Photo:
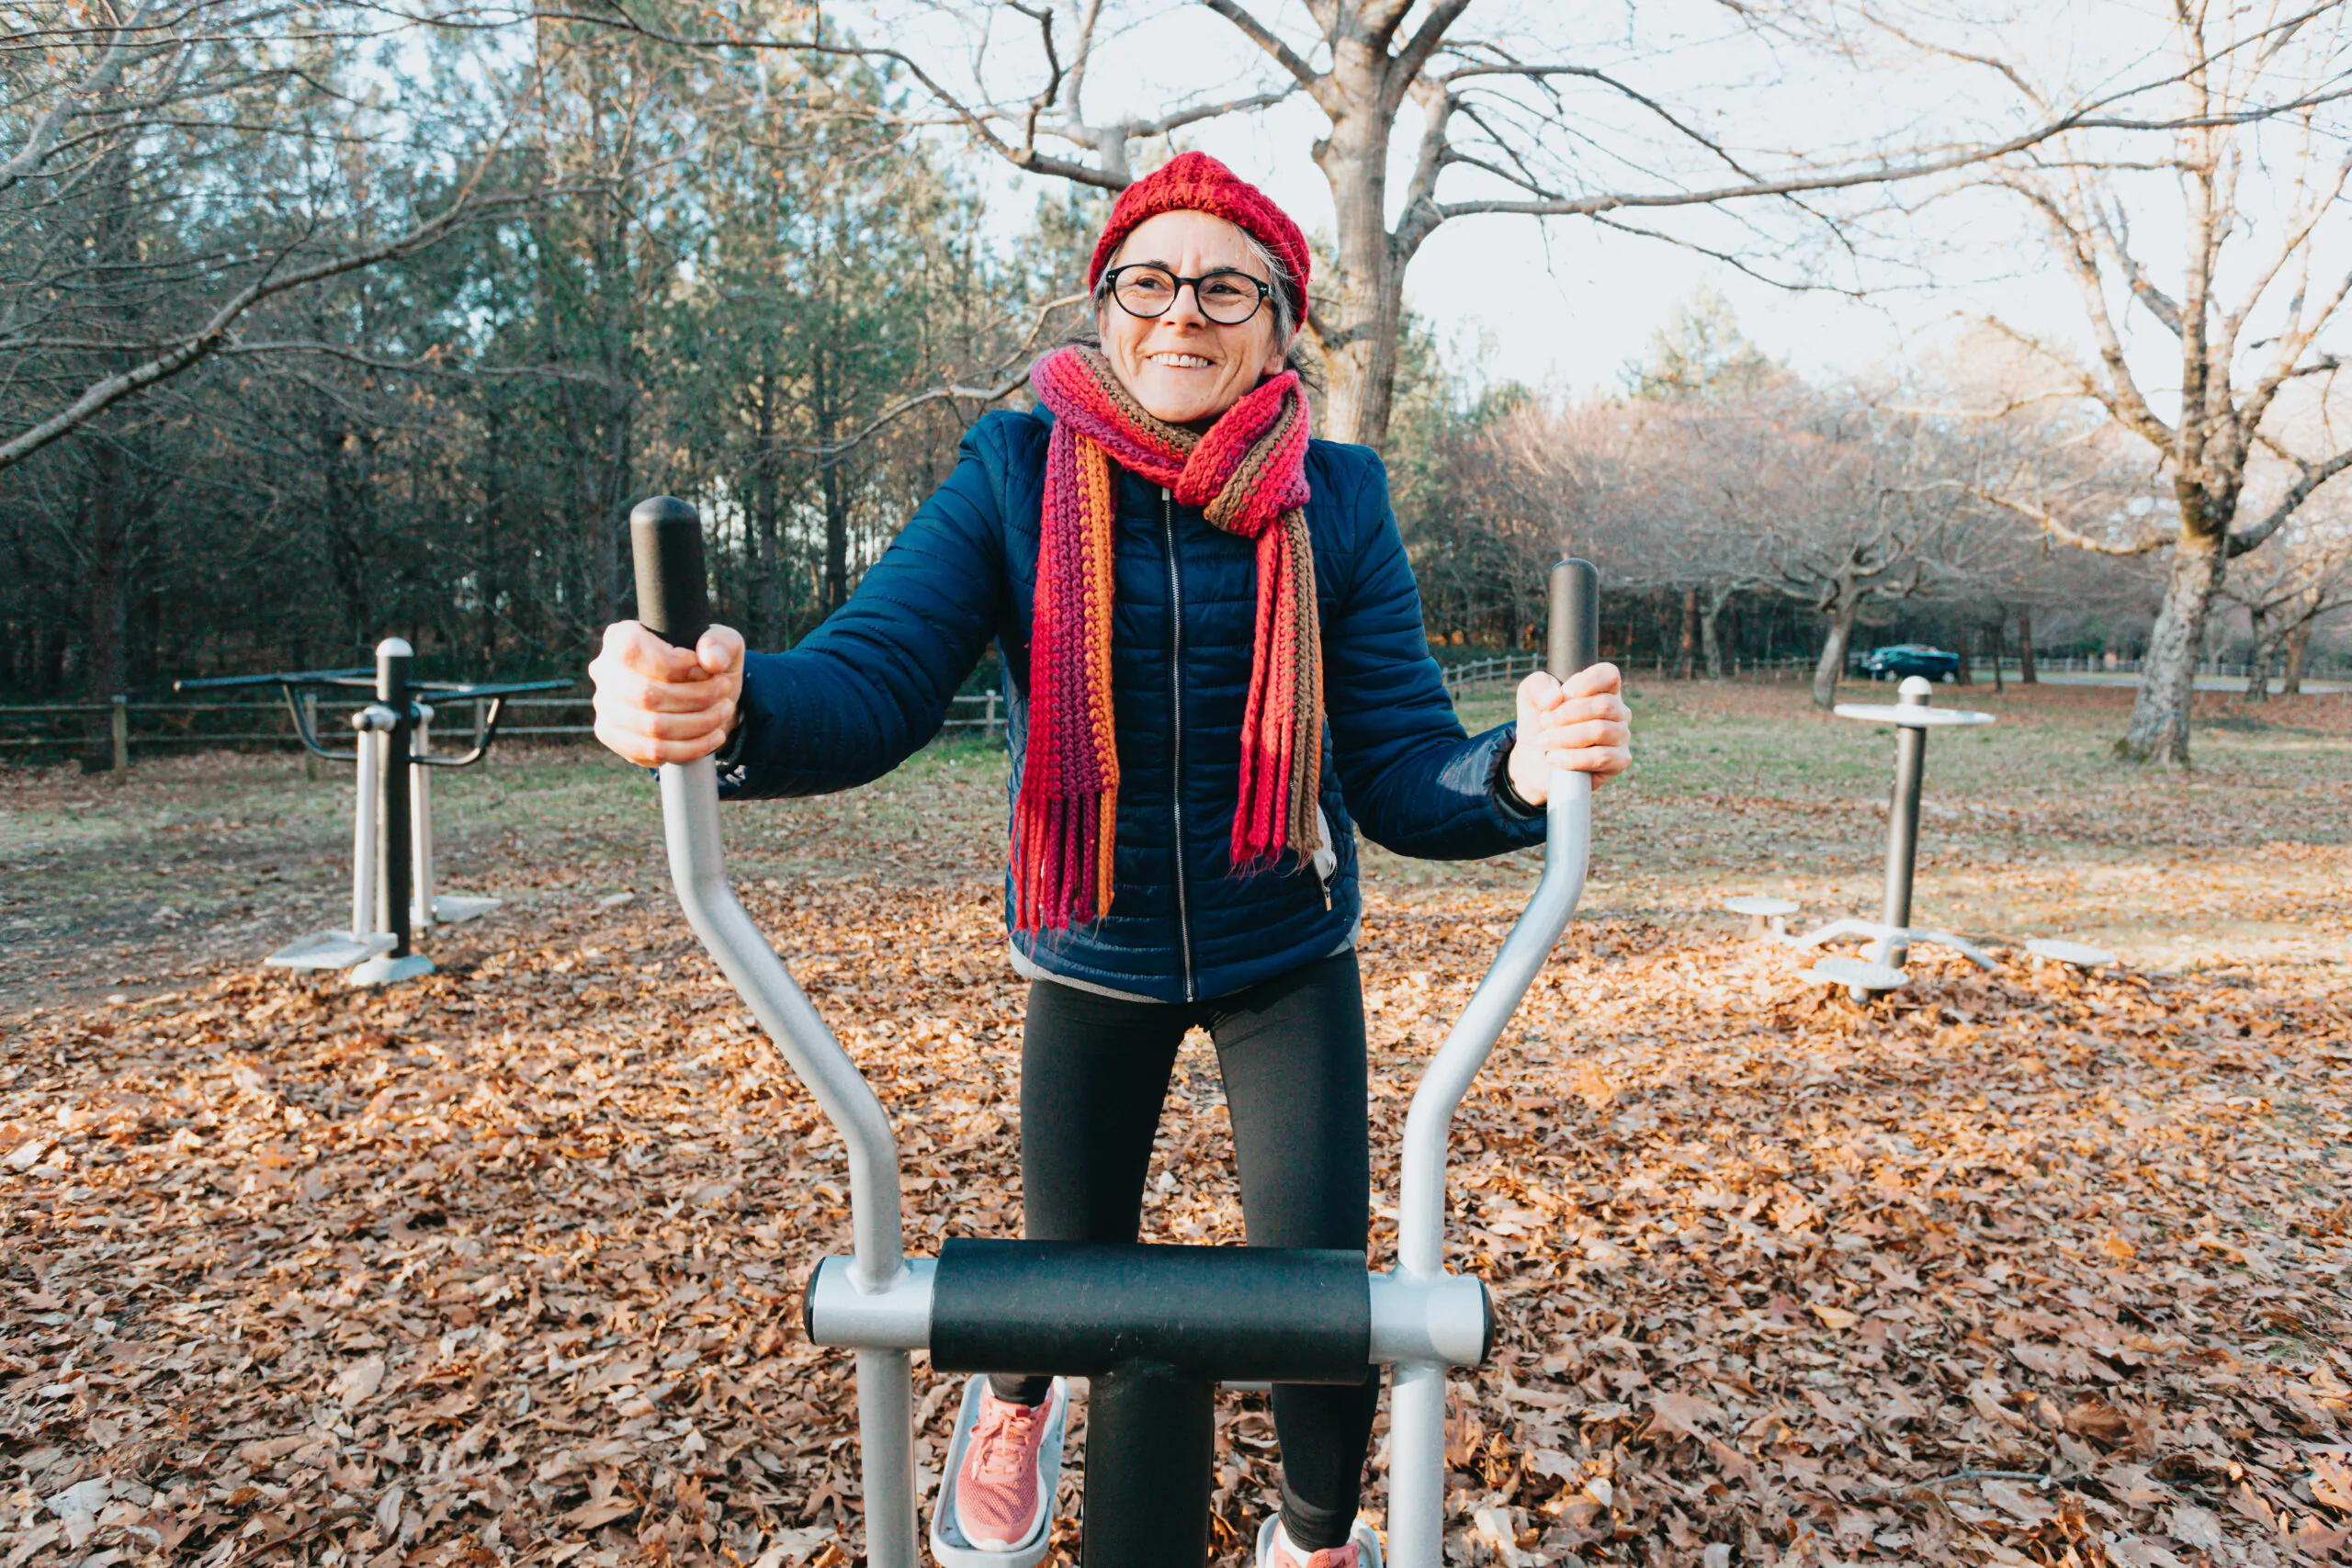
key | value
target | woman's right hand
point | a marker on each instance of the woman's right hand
(656, 702)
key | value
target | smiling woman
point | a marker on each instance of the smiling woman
(1218, 670)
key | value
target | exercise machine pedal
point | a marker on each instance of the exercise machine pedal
(948, 1546)
(330, 950)
(456, 909)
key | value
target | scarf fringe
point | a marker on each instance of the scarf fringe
(1247, 475)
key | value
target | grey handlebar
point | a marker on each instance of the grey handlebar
(672, 595)
(1573, 642)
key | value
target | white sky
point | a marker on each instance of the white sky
(1564, 302)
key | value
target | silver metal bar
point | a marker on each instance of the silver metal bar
(1417, 1403)
(698, 866)
(1420, 1223)
(420, 825)
(878, 1267)
(690, 814)
(1417, 1465)
(886, 1441)
(363, 830)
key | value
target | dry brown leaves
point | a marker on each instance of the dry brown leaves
(505, 1265)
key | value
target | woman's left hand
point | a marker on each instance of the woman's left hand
(1584, 727)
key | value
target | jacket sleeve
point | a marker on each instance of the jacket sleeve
(1412, 777)
(870, 687)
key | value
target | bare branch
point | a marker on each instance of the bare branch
(1405, 69)
(2313, 476)
(213, 334)
(1256, 32)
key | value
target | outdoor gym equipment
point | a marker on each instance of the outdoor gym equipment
(1893, 934)
(1154, 1327)
(1766, 916)
(392, 895)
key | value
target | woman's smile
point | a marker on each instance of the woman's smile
(1181, 366)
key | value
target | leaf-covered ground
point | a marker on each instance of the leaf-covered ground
(503, 1264)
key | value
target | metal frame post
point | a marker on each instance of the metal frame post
(1150, 1466)
(420, 789)
(363, 827)
(1417, 1391)
(673, 602)
(393, 820)
(1902, 823)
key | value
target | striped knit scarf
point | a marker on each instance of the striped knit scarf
(1248, 473)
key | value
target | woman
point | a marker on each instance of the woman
(1218, 670)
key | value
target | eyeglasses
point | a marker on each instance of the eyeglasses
(1225, 297)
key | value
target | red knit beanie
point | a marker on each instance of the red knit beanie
(1194, 182)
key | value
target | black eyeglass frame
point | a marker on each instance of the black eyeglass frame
(1110, 287)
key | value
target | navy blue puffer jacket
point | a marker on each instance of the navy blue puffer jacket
(870, 687)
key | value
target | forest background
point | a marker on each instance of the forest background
(323, 323)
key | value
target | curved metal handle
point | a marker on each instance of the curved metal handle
(481, 747)
(302, 730)
(1572, 645)
(1417, 1412)
(666, 538)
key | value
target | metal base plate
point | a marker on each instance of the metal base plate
(1858, 975)
(2077, 954)
(948, 1546)
(456, 909)
(1885, 938)
(330, 950)
(1365, 1540)
(387, 970)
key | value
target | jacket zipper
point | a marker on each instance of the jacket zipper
(1176, 718)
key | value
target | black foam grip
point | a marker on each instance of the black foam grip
(1241, 1314)
(1575, 640)
(672, 596)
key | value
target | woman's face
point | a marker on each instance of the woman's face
(1182, 366)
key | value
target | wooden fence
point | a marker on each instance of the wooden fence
(130, 726)
(124, 727)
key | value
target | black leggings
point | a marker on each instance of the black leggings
(1094, 1072)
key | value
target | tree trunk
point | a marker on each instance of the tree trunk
(2159, 728)
(1686, 657)
(2299, 642)
(1993, 634)
(1833, 657)
(2264, 655)
(2026, 677)
(1710, 633)
(1357, 333)
(107, 597)
(106, 605)
(1966, 675)
(493, 528)
(826, 385)
(767, 546)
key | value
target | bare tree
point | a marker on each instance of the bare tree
(1534, 111)
(2304, 575)
(2243, 287)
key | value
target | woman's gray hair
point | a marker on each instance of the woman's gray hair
(1287, 323)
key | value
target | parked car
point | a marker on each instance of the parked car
(1902, 659)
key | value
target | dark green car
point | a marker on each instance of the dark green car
(1899, 659)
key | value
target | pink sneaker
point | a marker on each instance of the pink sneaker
(999, 1507)
(1275, 1550)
